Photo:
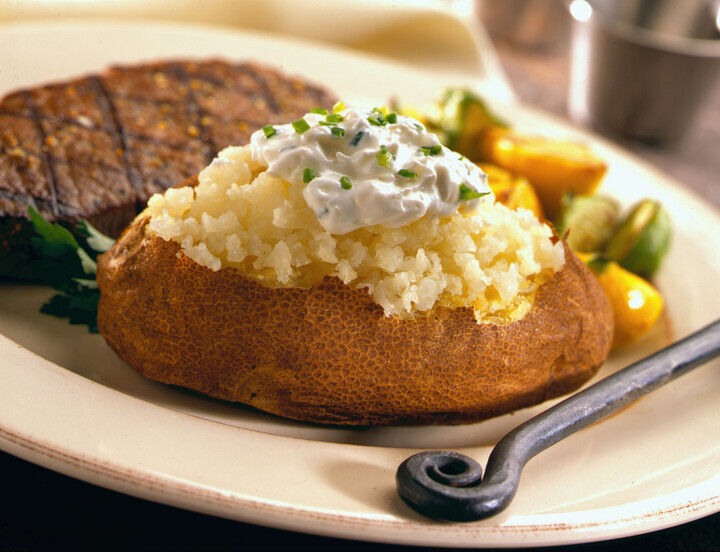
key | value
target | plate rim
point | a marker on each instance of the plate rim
(608, 523)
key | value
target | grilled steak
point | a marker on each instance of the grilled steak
(98, 147)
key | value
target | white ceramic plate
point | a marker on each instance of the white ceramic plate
(67, 403)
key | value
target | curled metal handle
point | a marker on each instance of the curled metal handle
(450, 486)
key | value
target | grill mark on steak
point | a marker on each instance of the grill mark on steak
(39, 204)
(196, 114)
(117, 131)
(44, 157)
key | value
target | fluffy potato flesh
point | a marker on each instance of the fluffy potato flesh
(328, 353)
(240, 216)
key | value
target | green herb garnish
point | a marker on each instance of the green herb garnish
(345, 183)
(95, 239)
(384, 157)
(308, 175)
(269, 131)
(335, 118)
(378, 117)
(356, 139)
(319, 111)
(338, 131)
(467, 193)
(338, 107)
(300, 126)
(407, 174)
(431, 150)
(67, 262)
(381, 117)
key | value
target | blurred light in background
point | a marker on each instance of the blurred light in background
(580, 10)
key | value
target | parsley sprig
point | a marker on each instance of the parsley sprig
(66, 260)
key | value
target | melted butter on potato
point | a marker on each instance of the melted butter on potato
(245, 217)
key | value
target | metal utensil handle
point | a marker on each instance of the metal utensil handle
(450, 486)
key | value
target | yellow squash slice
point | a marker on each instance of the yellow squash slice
(552, 167)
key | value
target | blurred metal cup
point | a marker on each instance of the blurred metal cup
(526, 23)
(641, 68)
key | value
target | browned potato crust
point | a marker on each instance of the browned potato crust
(328, 354)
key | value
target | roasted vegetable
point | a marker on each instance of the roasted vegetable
(464, 123)
(642, 239)
(635, 303)
(461, 119)
(511, 190)
(588, 221)
(554, 168)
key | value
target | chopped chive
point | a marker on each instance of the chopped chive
(338, 131)
(467, 193)
(345, 183)
(407, 174)
(269, 131)
(431, 150)
(334, 118)
(319, 111)
(338, 107)
(384, 157)
(356, 139)
(300, 126)
(308, 175)
(325, 123)
(381, 117)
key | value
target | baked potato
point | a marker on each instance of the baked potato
(308, 335)
(329, 354)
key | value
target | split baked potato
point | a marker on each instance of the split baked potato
(232, 285)
(328, 353)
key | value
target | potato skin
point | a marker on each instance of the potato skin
(327, 354)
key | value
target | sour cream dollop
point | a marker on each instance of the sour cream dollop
(363, 168)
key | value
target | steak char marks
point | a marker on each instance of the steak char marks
(98, 147)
